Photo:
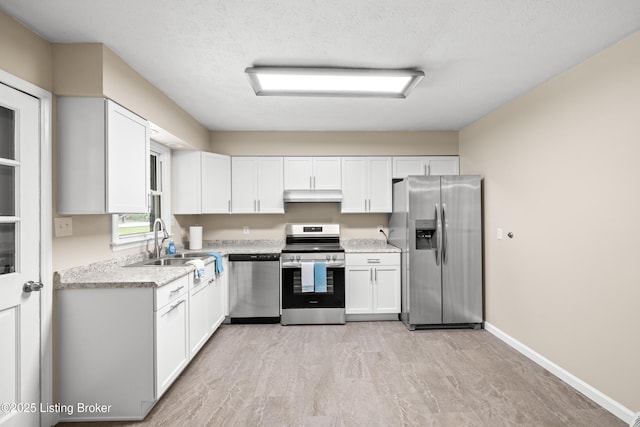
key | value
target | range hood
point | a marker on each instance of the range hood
(312, 196)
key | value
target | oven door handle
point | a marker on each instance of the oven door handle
(298, 265)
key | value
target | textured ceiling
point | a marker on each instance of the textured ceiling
(476, 54)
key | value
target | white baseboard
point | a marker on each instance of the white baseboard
(620, 411)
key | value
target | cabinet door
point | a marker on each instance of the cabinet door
(386, 298)
(326, 173)
(358, 290)
(185, 182)
(215, 304)
(380, 184)
(354, 185)
(405, 166)
(198, 324)
(298, 173)
(444, 166)
(243, 185)
(127, 161)
(270, 185)
(224, 278)
(172, 342)
(216, 183)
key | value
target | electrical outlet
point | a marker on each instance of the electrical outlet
(245, 230)
(63, 227)
(499, 233)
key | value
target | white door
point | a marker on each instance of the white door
(326, 173)
(358, 290)
(380, 185)
(354, 185)
(270, 185)
(243, 185)
(19, 258)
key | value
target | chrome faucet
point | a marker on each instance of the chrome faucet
(163, 228)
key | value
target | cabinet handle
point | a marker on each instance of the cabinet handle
(173, 291)
(310, 183)
(373, 260)
(371, 276)
(229, 206)
(375, 274)
(258, 205)
(173, 307)
(314, 182)
(424, 168)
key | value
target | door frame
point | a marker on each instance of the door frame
(46, 239)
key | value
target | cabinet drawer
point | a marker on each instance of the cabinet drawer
(171, 291)
(380, 258)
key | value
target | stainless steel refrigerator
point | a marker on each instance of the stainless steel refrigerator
(437, 222)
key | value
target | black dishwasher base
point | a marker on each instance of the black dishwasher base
(253, 320)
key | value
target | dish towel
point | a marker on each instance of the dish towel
(320, 276)
(307, 276)
(218, 257)
(199, 265)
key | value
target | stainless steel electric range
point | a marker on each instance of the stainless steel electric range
(312, 275)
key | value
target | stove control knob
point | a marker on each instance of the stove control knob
(335, 257)
(328, 257)
(298, 258)
(290, 257)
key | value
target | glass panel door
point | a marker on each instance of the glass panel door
(8, 165)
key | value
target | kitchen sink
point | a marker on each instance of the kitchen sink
(192, 255)
(161, 262)
(176, 260)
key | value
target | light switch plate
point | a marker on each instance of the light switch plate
(63, 227)
(499, 233)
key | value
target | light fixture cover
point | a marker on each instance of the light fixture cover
(344, 82)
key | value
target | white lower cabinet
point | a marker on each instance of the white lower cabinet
(172, 338)
(206, 307)
(124, 347)
(372, 283)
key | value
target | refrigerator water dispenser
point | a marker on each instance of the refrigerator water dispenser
(426, 234)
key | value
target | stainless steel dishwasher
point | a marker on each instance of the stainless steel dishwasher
(254, 288)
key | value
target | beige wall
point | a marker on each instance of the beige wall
(561, 172)
(334, 143)
(24, 54)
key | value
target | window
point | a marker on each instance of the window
(131, 230)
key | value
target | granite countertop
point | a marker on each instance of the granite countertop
(367, 246)
(115, 273)
(226, 247)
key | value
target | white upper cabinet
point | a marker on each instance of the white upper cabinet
(312, 173)
(200, 183)
(404, 166)
(366, 184)
(257, 185)
(103, 158)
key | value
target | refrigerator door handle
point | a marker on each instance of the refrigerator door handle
(445, 237)
(439, 236)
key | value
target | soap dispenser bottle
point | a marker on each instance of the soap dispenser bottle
(171, 249)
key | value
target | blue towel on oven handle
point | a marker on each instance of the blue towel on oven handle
(320, 276)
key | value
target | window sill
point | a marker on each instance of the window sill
(132, 242)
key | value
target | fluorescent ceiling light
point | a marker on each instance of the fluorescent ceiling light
(347, 82)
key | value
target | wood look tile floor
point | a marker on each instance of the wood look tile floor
(365, 374)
